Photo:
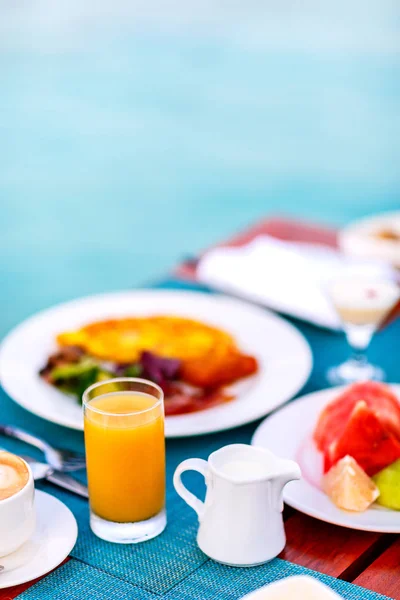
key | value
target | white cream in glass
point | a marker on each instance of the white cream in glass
(362, 303)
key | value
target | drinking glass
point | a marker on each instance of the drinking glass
(362, 303)
(125, 454)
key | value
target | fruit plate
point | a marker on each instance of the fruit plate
(284, 356)
(288, 433)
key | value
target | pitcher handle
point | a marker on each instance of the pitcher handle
(191, 464)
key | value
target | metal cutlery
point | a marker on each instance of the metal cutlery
(44, 471)
(60, 460)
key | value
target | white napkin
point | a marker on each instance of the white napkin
(288, 277)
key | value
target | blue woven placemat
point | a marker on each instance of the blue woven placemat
(171, 566)
(75, 580)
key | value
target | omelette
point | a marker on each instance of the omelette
(209, 356)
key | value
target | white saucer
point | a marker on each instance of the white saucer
(54, 537)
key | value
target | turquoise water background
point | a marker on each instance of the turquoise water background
(135, 134)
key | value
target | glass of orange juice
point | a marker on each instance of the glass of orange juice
(125, 454)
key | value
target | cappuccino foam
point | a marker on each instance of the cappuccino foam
(14, 475)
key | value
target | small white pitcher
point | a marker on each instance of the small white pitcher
(240, 520)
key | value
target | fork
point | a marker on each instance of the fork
(62, 460)
(45, 471)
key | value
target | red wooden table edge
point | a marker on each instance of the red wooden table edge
(383, 574)
(14, 591)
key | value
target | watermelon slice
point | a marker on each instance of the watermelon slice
(366, 440)
(377, 396)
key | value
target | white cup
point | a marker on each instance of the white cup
(17, 518)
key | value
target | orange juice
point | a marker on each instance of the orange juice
(125, 452)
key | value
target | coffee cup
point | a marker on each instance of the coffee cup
(17, 508)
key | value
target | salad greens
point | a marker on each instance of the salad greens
(72, 371)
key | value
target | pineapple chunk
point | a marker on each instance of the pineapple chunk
(348, 486)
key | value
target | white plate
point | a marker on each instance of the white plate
(300, 587)
(288, 434)
(284, 355)
(359, 238)
(55, 536)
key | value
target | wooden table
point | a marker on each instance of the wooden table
(371, 560)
